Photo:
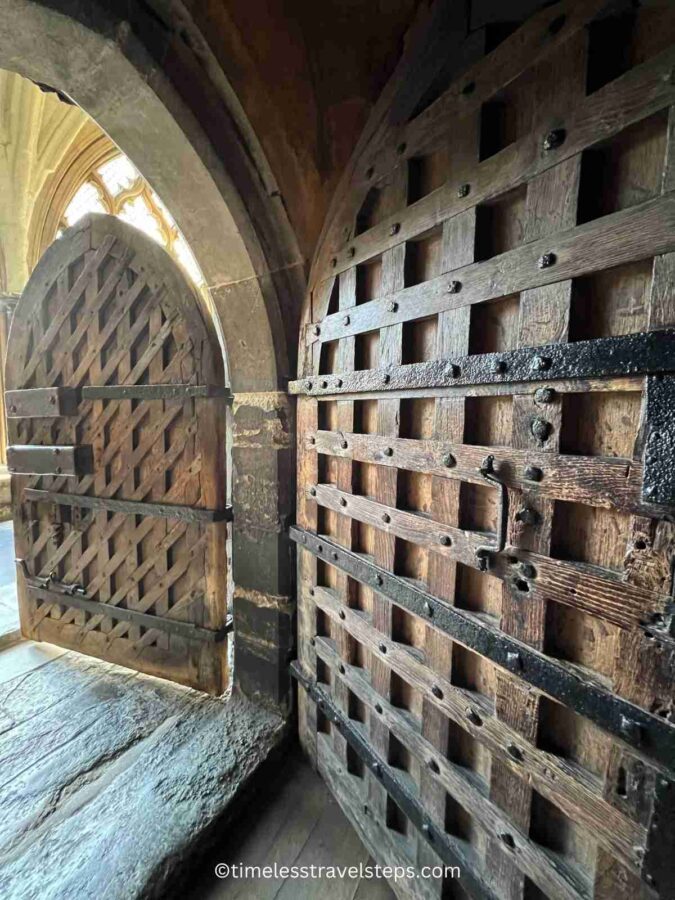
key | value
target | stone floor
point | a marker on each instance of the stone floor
(296, 823)
(9, 612)
(109, 779)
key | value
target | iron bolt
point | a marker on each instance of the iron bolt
(342, 614)
(463, 190)
(386, 518)
(436, 691)
(546, 260)
(351, 253)
(433, 765)
(454, 287)
(445, 540)
(377, 768)
(386, 378)
(473, 716)
(426, 830)
(312, 491)
(395, 228)
(344, 445)
(308, 385)
(346, 320)
(630, 729)
(508, 840)
(498, 365)
(333, 262)
(392, 306)
(338, 382)
(378, 581)
(383, 648)
(370, 171)
(527, 516)
(533, 473)
(324, 384)
(555, 139)
(316, 330)
(341, 669)
(453, 371)
(513, 661)
(388, 451)
(449, 461)
(544, 395)
(343, 502)
(540, 428)
(428, 609)
(541, 363)
(515, 752)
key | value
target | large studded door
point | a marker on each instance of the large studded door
(115, 403)
(486, 449)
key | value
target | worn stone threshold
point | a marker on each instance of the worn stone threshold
(109, 780)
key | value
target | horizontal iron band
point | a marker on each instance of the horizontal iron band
(53, 402)
(650, 735)
(131, 507)
(649, 352)
(449, 852)
(161, 623)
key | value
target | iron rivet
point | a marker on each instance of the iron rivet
(426, 829)
(324, 385)
(333, 262)
(473, 716)
(630, 729)
(392, 306)
(351, 253)
(386, 518)
(554, 139)
(463, 190)
(546, 260)
(540, 428)
(346, 320)
(377, 768)
(388, 451)
(312, 491)
(342, 614)
(386, 378)
(401, 148)
(513, 661)
(533, 473)
(449, 461)
(446, 540)
(308, 385)
(544, 395)
(312, 641)
(541, 363)
(370, 171)
(378, 708)
(436, 691)
(52, 400)
(428, 609)
(527, 516)
(498, 366)
(378, 580)
(312, 440)
(338, 382)
(344, 445)
(383, 648)
(57, 469)
(454, 287)
(343, 502)
(366, 809)
(395, 228)
(311, 592)
(453, 370)
(507, 839)
(433, 765)
(341, 669)
(316, 329)
(515, 752)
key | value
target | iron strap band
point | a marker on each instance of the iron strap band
(131, 507)
(447, 849)
(162, 623)
(634, 354)
(649, 734)
(146, 620)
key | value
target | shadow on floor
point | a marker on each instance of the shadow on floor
(294, 821)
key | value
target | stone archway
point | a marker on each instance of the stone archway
(159, 103)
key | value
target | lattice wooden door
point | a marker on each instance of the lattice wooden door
(115, 402)
(486, 449)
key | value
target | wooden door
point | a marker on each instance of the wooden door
(485, 466)
(115, 403)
